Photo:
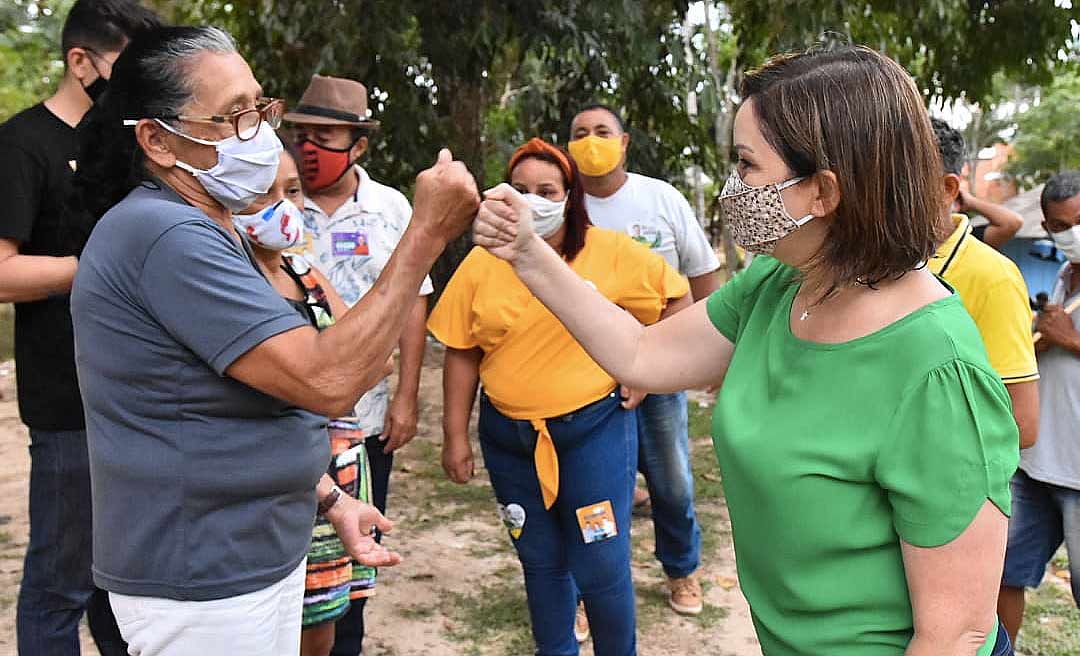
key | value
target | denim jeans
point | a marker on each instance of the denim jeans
(597, 447)
(349, 630)
(1043, 516)
(1003, 647)
(57, 586)
(664, 459)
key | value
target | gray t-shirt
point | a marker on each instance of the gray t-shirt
(1055, 458)
(203, 487)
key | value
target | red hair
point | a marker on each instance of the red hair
(577, 218)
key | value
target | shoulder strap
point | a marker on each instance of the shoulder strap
(302, 273)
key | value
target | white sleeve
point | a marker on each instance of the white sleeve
(696, 255)
(404, 212)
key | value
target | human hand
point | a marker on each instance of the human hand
(401, 420)
(963, 201)
(353, 521)
(457, 459)
(632, 398)
(446, 198)
(504, 223)
(1056, 326)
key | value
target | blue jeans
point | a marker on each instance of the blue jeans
(1003, 647)
(597, 447)
(1043, 516)
(349, 630)
(664, 459)
(57, 586)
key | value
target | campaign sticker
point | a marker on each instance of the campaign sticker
(344, 244)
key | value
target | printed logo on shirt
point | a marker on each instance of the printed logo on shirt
(644, 234)
(349, 243)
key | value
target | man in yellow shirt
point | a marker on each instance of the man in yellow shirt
(992, 290)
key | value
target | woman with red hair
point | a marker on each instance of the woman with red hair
(559, 441)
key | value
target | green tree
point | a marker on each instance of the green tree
(1048, 135)
(30, 60)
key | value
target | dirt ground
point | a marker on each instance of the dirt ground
(459, 590)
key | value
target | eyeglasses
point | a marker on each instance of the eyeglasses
(245, 122)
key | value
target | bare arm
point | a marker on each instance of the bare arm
(1004, 223)
(704, 285)
(656, 359)
(327, 372)
(954, 587)
(402, 416)
(461, 374)
(25, 278)
(1025, 403)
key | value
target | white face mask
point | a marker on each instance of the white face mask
(548, 215)
(276, 227)
(1068, 242)
(245, 169)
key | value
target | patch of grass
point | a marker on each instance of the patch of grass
(417, 612)
(1051, 623)
(495, 616)
(7, 331)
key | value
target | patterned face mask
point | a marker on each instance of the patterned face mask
(756, 215)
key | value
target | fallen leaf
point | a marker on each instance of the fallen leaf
(727, 582)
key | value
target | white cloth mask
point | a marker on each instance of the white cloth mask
(275, 227)
(1068, 242)
(757, 215)
(244, 171)
(548, 215)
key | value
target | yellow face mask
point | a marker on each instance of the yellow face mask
(596, 156)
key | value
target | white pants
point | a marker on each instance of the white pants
(261, 623)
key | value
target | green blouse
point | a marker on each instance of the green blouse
(833, 453)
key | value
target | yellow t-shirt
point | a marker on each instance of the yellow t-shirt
(532, 367)
(994, 293)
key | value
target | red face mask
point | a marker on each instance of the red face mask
(321, 166)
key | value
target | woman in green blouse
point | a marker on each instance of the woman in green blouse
(865, 443)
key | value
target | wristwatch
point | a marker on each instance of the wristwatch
(327, 502)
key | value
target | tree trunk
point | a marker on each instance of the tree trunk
(465, 103)
(725, 117)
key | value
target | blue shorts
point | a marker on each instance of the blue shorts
(1043, 516)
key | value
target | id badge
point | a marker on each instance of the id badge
(597, 522)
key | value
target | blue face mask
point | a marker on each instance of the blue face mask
(245, 169)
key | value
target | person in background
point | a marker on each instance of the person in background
(271, 225)
(654, 213)
(211, 427)
(992, 290)
(864, 440)
(40, 238)
(353, 225)
(1046, 488)
(558, 443)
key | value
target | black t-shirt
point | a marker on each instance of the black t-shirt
(37, 162)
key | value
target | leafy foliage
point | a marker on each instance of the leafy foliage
(30, 61)
(1048, 135)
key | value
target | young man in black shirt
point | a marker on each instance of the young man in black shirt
(39, 240)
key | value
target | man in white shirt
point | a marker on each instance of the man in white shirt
(352, 225)
(1046, 487)
(654, 213)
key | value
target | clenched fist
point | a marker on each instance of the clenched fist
(446, 198)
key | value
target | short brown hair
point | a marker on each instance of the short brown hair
(858, 114)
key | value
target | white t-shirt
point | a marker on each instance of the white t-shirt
(654, 213)
(352, 247)
(1055, 458)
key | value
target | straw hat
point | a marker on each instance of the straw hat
(333, 101)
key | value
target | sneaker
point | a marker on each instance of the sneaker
(686, 597)
(581, 624)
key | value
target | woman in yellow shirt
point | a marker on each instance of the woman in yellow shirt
(559, 444)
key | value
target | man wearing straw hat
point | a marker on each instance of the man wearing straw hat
(353, 224)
